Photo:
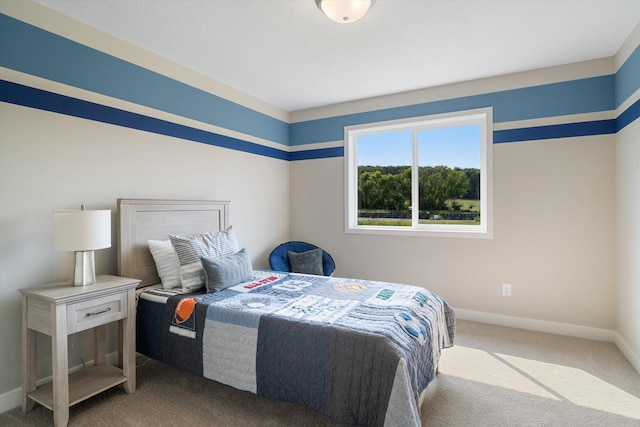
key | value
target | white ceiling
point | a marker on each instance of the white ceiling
(286, 52)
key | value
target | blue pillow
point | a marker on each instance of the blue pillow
(309, 262)
(191, 248)
(226, 271)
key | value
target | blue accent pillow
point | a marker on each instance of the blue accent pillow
(226, 271)
(191, 248)
(309, 262)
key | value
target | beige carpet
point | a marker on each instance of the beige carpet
(494, 376)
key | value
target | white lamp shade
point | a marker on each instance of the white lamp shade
(80, 230)
(344, 11)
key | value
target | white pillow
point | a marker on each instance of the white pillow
(167, 263)
(191, 248)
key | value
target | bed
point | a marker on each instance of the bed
(361, 352)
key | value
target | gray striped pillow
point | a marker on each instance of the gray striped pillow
(191, 248)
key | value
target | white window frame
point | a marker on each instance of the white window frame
(481, 116)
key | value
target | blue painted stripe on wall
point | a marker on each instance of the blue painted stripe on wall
(628, 78)
(36, 98)
(34, 51)
(556, 99)
(567, 130)
(628, 116)
(320, 153)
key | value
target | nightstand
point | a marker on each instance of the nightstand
(59, 310)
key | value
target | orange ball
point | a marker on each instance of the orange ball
(184, 310)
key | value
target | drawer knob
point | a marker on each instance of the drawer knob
(99, 312)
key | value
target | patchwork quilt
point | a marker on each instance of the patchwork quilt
(357, 351)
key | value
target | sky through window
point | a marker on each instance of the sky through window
(451, 146)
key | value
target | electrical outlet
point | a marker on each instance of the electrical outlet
(506, 290)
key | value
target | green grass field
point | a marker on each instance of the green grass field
(465, 206)
(392, 222)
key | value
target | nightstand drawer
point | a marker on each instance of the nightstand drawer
(95, 312)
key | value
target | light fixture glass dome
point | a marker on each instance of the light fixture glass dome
(344, 11)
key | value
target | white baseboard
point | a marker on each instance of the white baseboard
(10, 400)
(13, 399)
(628, 352)
(557, 328)
(537, 325)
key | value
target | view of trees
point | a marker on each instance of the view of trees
(389, 187)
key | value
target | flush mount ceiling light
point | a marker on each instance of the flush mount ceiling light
(344, 11)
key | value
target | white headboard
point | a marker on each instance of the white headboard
(140, 220)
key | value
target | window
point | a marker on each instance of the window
(426, 176)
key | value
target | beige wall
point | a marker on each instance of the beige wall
(628, 250)
(554, 235)
(628, 223)
(50, 161)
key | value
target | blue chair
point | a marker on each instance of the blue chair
(279, 257)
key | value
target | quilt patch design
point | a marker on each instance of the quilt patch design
(184, 317)
(348, 287)
(260, 279)
(314, 308)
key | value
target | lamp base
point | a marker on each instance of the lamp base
(85, 269)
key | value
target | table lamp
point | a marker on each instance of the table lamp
(82, 231)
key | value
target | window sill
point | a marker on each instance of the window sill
(452, 232)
